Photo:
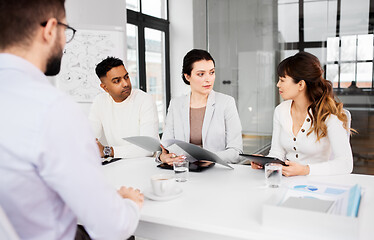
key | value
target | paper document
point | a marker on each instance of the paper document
(308, 203)
(191, 151)
(345, 199)
(174, 148)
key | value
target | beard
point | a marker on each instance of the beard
(53, 65)
(54, 61)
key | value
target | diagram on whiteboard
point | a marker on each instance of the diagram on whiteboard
(77, 77)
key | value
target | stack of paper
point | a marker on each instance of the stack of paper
(320, 197)
(308, 203)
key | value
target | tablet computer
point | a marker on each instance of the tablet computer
(262, 160)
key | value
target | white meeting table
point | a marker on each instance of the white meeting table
(220, 203)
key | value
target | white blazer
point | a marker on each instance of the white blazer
(221, 131)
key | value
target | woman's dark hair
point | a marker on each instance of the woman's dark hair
(191, 57)
(305, 66)
(106, 65)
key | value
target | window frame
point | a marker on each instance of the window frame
(302, 44)
(143, 21)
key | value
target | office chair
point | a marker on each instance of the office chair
(349, 120)
(349, 117)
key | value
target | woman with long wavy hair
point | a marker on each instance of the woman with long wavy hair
(310, 129)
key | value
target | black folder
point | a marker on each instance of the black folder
(197, 166)
(262, 160)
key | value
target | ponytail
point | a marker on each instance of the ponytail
(323, 105)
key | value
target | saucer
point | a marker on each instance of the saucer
(149, 194)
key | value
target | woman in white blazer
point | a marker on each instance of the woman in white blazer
(311, 129)
(203, 117)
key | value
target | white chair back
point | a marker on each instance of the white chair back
(348, 125)
(6, 229)
(349, 118)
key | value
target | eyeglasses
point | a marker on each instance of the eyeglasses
(69, 31)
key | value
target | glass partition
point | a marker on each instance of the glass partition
(243, 40)
(248, 39)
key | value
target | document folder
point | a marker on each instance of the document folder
(262, 160)
(197, 153)
(354, 201)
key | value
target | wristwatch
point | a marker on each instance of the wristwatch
(107, 151)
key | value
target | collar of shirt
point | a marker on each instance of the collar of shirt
(10, 61)
(124, 102)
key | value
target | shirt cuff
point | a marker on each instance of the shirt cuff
(117, 153)
(315, 169)
(157, 158)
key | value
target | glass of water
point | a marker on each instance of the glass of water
(273, 174)
(181, 170)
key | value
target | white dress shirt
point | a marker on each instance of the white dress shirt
(135, 116)
(50, 169)
(221, 131)
(330, 155)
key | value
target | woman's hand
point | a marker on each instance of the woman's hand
(169, 158)
(294, 169)
(256, 166)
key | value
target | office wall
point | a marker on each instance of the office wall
(100, 13)
(242, 36)
(96, 14)
(181, 41)
(200, 24)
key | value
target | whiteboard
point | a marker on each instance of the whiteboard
(77, 77)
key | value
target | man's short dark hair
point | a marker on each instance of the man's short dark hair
(20, 19)
(106, 65)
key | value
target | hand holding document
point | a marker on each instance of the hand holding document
(192, 152)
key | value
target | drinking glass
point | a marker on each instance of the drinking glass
(181, 170)
(273, 174)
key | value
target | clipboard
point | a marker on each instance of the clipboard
(262, 160)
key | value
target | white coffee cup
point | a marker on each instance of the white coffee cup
(163, 184)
